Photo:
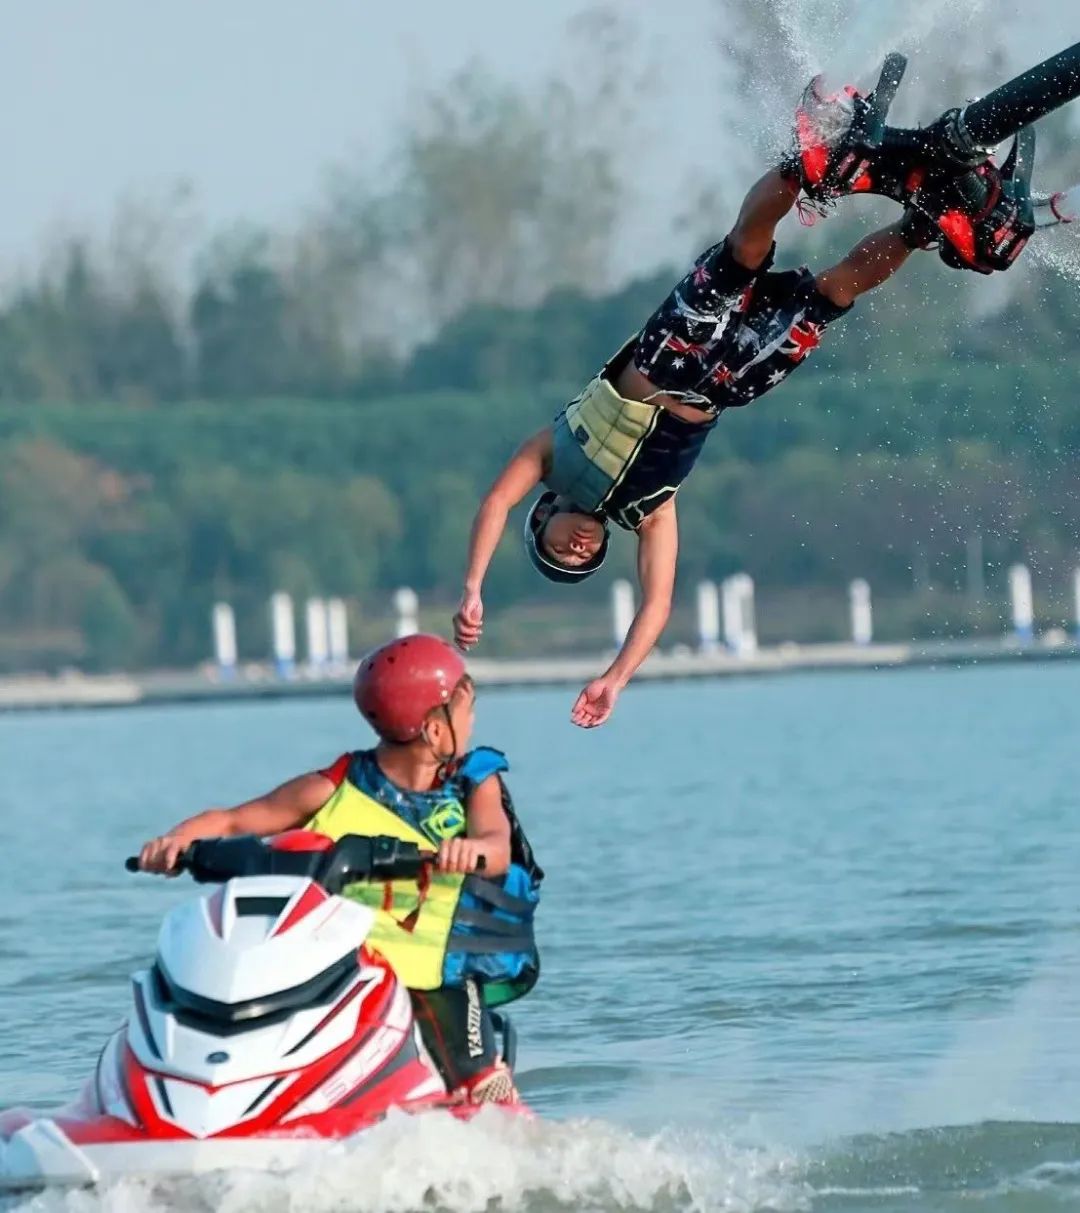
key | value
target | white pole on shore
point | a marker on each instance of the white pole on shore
(708, 616)
(740, 631)
(337, 631)
(317, 631)
(622, 609)
(1076, 597)
(976, 581)
(862, 612)
(1023, 604)
(283, 634)
(746, 605)
(732, 615)
(223, 621)
(407, 606)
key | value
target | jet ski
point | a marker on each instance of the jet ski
(264, 1027)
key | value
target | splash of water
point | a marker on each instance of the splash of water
(440, 1165)
(846, 35)
(1058, 248)
(847, 40)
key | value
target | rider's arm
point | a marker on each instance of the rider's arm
(658, 550)
(487, 833)
(522, 474)
(285, 808)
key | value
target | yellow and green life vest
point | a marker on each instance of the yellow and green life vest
(596, 439)
(621, 459)
(451, 927)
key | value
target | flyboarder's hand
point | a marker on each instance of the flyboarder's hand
(595, 703)
(459, 854)
(161, 854)
(469, 620)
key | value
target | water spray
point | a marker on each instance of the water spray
(1052, 210)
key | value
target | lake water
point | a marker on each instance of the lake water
(810, 943)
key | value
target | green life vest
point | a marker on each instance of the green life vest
(596, 439)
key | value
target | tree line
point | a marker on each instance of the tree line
(319, 410)
(121, 525)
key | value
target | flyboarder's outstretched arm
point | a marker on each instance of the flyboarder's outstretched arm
(658, 550)
(520, 476)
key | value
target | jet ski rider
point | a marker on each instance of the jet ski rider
(462, 943)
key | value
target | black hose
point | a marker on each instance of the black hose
(1024, 99)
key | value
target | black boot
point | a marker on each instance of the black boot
(839, 144)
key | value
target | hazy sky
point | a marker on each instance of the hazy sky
(251, 100)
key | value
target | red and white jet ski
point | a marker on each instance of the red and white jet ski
(264, 1027)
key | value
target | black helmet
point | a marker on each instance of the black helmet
(551, 569)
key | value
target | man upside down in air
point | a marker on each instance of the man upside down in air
(730, 331)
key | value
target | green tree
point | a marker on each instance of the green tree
(239, 320)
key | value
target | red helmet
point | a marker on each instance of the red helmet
(396, 686)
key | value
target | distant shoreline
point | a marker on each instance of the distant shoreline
(259, 681)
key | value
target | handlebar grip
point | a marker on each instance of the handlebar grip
(183, 862)
(431, 856)
(131, 864)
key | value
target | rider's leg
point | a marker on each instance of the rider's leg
(458, 1033)
(767, 202)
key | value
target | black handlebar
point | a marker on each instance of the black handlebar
(352, 858)
(183, 862)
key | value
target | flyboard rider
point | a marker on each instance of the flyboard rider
(731, 331)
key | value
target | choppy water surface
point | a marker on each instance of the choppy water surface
(810, 943)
